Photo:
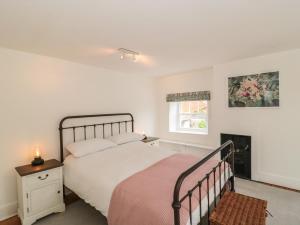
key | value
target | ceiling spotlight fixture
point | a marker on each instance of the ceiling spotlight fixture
(128, 54)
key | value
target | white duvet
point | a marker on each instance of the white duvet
(94, 177)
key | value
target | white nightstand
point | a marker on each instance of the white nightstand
(40, 190)
(152, 141)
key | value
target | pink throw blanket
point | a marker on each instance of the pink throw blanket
(146, 197)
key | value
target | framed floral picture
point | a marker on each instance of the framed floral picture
(257, 90)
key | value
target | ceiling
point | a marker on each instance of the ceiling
(171, 35)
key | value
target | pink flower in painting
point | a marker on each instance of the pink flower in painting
(246, 94)
(249, 89)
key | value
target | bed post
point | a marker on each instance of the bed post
(61, 144)
(232, 168)
(176, 206)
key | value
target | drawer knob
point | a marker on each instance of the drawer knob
(58, 192)
(46, 176)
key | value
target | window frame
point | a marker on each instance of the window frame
(176, 119)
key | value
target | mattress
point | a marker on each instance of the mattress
(94, 177)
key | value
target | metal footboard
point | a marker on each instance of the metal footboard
(228, 181)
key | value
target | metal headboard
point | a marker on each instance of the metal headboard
(93, 126)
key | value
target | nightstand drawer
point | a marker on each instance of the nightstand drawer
(43, 177)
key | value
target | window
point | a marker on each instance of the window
(189, 117)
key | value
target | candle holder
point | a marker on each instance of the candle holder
(37, 161)
(37, 158)
(145, 136)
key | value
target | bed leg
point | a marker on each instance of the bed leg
(232, 187)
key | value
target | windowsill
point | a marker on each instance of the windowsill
(189, 132)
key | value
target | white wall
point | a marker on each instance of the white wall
(275, 131)
(37, 91)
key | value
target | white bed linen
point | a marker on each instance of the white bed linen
(94, 177)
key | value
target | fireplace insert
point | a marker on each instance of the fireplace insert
(242, 156)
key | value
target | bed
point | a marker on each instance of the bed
(153, 190)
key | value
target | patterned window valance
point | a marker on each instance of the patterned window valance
(189, 96)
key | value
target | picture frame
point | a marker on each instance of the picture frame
(256, 90)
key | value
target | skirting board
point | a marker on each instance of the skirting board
(204, 147)
(8, 210)
(288, 182)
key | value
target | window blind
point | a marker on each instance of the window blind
(188, 96)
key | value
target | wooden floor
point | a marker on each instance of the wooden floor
(11, 221)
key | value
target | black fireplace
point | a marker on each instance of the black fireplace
(242, 156)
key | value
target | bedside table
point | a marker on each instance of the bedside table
(152, 141)
(40, 190)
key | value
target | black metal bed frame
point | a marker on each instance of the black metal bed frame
(84, 127)
(177, 199)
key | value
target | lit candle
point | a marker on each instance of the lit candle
(37, 152)
(37, 158)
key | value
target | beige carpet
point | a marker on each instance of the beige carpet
(284, 206)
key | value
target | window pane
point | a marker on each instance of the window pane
(192, 123)
(198, 124)
(203, 106)
(194, 106)
(202, 124)
(184, 107)
(190, 116)
(185, 121)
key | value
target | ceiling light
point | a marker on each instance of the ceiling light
(128, 54)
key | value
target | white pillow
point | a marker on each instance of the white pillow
(126, 137)
(82, 148)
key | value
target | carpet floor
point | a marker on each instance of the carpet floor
(284, 205)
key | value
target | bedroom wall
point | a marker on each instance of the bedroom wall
(275, 132)
(37, 91)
